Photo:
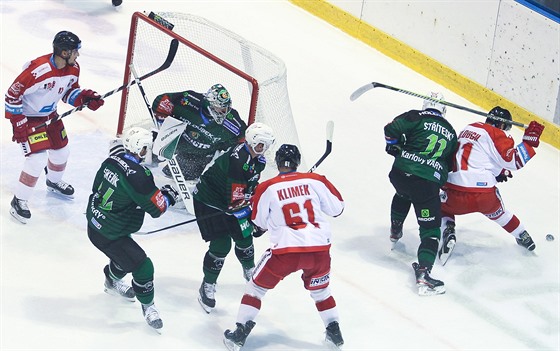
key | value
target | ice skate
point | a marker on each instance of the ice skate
(234, 340)
(19, 210)
(118, 287)
(427, 285)
(61, 188)
(333, 336)
(526, 241)
(396, 232)
(206, 296)
(449, 240)
(151, 315)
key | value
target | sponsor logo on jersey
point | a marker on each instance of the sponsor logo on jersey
(159, 200)
(49, 85)
(125, 167)
(40, 70)
(165, 106)
(237, 192)
(318, 281)
(38, 137)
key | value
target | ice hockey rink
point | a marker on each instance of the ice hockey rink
(499, 296)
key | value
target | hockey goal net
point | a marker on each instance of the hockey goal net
(207, 54)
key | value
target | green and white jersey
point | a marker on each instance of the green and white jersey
(428, 143)
(231, 179)
(202, 136)
(122, 192)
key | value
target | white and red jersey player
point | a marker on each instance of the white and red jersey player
(32, 100)
(486, 155)
(293, 207)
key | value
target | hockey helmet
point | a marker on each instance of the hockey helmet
(288, 156)
(218, 102)
(500, 113)
(434, 105)
(259, 133)
(136, 139)
(64, 41)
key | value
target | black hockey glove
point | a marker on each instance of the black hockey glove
(170, 193)
(257, 231)
(503, 177)
(393, 149)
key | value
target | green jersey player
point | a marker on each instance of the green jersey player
(221, 202)
(423, 143)
(212, 125)
(122, 192)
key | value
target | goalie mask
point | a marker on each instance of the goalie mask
(288, 156)
(259, 133)
(501, 113)
(430, 104)
(218, 102)
(138, 141)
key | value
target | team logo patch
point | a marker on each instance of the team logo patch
(425, 213)
(237, 192)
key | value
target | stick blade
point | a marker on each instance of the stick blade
(330, 130)
(361, 90)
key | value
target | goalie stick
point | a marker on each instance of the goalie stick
(176, 173)
(170, 57)
(330, 130)
(361, 90)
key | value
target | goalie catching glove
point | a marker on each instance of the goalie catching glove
(170, 194)
(90, 98)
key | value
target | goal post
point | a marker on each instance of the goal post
(207, 54)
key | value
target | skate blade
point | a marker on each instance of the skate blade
(427, 291)
(331, 346)
(19, 218)
(114, 293)
(444, 256)
(59, 194)
(206, 308)
(230, 345)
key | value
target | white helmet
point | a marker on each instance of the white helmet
(259, 133)
(136, 138)
(218, 102)
(435, 105)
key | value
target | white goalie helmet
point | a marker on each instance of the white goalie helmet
(433, 104)
(259, 133)
(136, 138)
(218, 102)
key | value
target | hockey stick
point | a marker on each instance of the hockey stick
(173, 164)
(178, 224)
(330, 130)
(360, 91)
(170, 57)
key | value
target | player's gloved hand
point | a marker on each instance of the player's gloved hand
(393, 150)
(21, 130)
(533, 133)
(170, 193)
(91, 98)
(504, 175)
(257, 231)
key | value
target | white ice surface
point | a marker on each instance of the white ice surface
(499, 297)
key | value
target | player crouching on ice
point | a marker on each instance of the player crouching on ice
(122, 192)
